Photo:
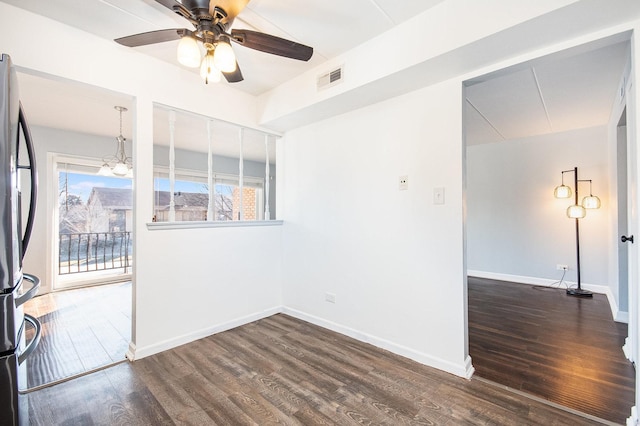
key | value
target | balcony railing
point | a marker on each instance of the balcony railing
(94, 251)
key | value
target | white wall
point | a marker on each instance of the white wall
(38, 260)
(393, 259)
(516, 229)
(202, 281)
(185, 282)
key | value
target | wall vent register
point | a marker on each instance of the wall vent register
(330, 79)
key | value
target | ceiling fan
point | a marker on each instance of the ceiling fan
(211, 20)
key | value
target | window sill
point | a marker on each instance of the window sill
(155, 226)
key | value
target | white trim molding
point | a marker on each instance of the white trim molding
(136, 353)
(616, 314)
(465, 369)
(154, 226)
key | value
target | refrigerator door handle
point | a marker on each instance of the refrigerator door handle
(34, 342)
(34, 179)
(28, 295)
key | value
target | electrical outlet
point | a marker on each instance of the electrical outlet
(560, 267)
(330, 297)
(438, 195)
(403, 183)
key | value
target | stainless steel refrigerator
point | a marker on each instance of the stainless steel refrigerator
(17, 176)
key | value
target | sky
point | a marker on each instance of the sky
(82, 184)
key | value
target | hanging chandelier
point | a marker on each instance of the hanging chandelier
(119, 164)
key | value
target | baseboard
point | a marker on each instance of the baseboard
(521, 279)
(633, 419)
(616, 314)
(627, 350)
(621, 317)
(465, 370)
(136, 353)
(131, 352)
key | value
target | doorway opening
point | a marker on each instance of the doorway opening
(93, 229)
(86, 318)
(524, 125)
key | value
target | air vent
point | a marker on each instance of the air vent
(330, 79)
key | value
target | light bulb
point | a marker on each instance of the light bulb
(120, 169)
(576, 212)
(188, 52)
(105, 170)
(207, 69)
(562, 191)
(224, 58)
(591, 202)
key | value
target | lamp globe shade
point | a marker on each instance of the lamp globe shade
(207, 69)
(591, 202)
(576, 212)
(562, 191)
(188, 52)
(224, 59)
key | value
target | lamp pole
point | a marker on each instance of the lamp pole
(577, 212)
(578, 291)
(575, 180)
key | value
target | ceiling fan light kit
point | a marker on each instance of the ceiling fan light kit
(211, 20)
(188, 52)
(208, 70)
(224, 59)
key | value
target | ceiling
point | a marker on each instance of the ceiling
(88, 109)
(331, 27)
(561, 92)
(570, 90)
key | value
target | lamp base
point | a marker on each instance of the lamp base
(578, 292)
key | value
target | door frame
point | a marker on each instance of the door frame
(53, 160)
(632, 344)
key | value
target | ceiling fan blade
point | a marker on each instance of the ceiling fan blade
(152, 37)
(231, 7)
(272, 44)
(234, 76)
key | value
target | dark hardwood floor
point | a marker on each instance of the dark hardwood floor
(565, 349)
(282, 370)
(82, 329)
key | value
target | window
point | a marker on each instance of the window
(191, 197)
(193, 152)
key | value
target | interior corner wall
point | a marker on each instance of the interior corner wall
(516, 229)
(392, 258)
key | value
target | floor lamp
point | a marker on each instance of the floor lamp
(577, 212)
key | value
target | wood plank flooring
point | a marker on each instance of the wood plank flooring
(539, 340)
(283, 370)
(82, 329)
